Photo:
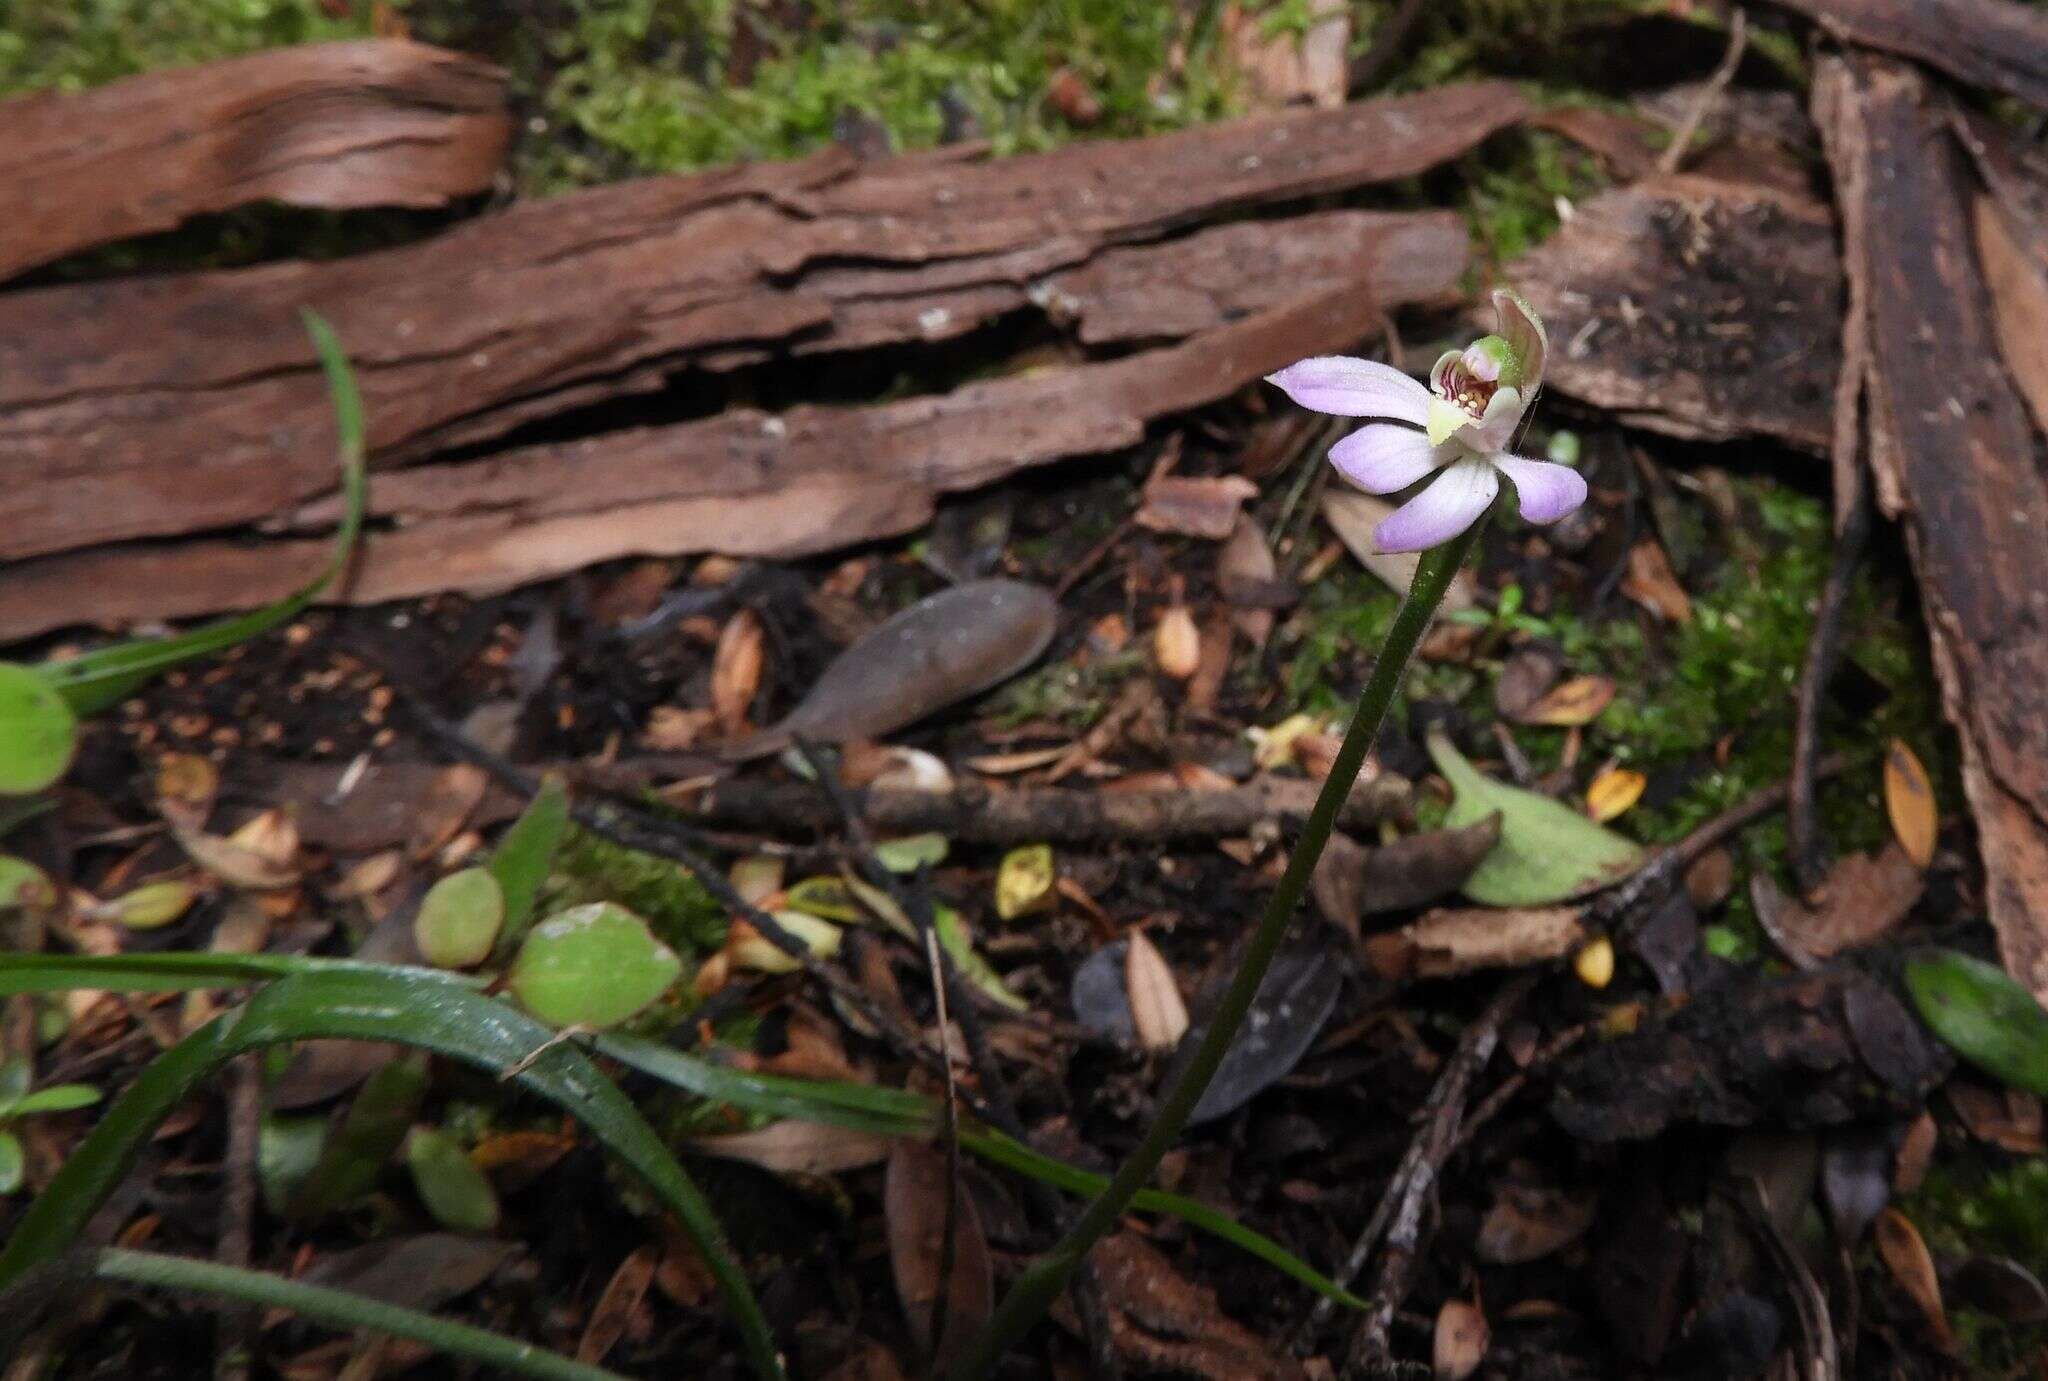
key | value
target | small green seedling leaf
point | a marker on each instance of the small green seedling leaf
(1024, 881)
(55, 1098)
(1547, 852)
(524, 854)
(13, 1163)
(458, 919)
(15, 1077)
(827, 898)
(374, 1127)
(1984, 1015)
(912, 851)
(451, 1187)
(748, 949)
(959, 947)
(152, 905)
(593, 966)
(38, 731)
(287, 1150)
(97, 679)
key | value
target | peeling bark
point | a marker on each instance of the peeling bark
(1991, 43)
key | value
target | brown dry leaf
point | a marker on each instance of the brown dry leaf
(914, 1196)
(1352, 881)
(800, 1148)
(2018, 283)
(514, 1160)
(270, 835)
(1177, 643)
(1915, 1155)
(2009, 1119)
(736, 670)
(1650, 583)
(368, 876)
(1863, 899)
(1578, 701)
(1610, 794)
(1070, 97)
(1525, 678)
(1158, 1012)
(1446, 943)
(235, 865)
(1009, 764)
(186, 785)
(1462, 1337)
(1527, 1224)
(622, 1297)
(673, 728)
(1249, 578)
(1710, 879)
(1289, 68)
(451, 798)
(1909, 801)
(1194, 506)
(1353, 516)
(1161, 1322)
(1905, 1256)
(1214, 664)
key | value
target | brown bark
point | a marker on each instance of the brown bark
(1956, 459)
(1993, 43)
(743, 483)
(1687, 305)
(331, 125)
(162, 406)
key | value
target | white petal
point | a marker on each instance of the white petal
(1382, 457)
(1346, 387)
(1544, 492)
(1524, 333)
(1451, 503)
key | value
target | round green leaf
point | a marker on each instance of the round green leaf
(459, 918)
(37, 731)
(592, 966)
(449, 1184)
(23, 884)
(1984, 1015)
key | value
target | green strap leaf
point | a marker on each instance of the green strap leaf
(1984, 1015)
(179, 971)
(425, 1012)
(521, 861)
(97, 679)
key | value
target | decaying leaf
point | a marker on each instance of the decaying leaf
(1909, 801)
(1650, 583)
(1163, 1324)
(186, 785)
(1159, 1015)
(2000, 1287)
(1446, 943)
(1194, 506)
(1610, 794)
(615, 1308)
(1353, 516)
(800, 1148)
(236, 865)
(1527, 1224)
(914, 1202)
(1293, 1003)
(1547, 851)
(1462, 1337)
(1024, 881)
(422, 1271)
(1249, 578)
(1352, 881)
(1177, 643)
(1525, 677)
(939, 651)
(1101, 997)
(1577, 701)
(736, 670)
(1905, 1255)
(451, 799)
(1863, 899)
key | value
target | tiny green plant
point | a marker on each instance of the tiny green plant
(17, 1101)
(40, 704)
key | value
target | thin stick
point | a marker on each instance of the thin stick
(238, 1327)
(1738, 39)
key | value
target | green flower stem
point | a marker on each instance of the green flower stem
(1036, 1289)
(343, 1310)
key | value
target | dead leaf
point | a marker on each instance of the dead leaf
(1905, 1256)
(1194, 506)
(2002, 1288)
(1351, 881)
(1916, 1154)
(1177, 643)
(1160, 1322)
(514, 1160)
(1909, 801)
(423, 1271)
(1462, 1337)
(451, 798)
(1070, 97)
(368, 876)
(1578, 701)
(1611, 793)
(615, 1308)
(2018, 297)
(736, 670)
(914, 1203)
(674, 729)
(1650, 583)
(1446, 942)
(1159, 1015)
(186, 785)
(235, 865)
(2009, 1119)
(1249, 579)
(1863, 898)
(1525, 677)
(1353, 516)
(1527, 1224)
(800, 1148)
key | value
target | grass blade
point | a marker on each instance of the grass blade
(180, 971)
(343, 1310)
(407, 1009)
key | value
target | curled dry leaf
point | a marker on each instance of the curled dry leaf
(1194, 506)
(1526, 1224)
(800, 1148)
(236, 865)
(1159, 1015)
(1462, 1337)
(1353, 881)
(1446, 943)
(1650, 583)
(736, 670)
(1906, 1257)
(914, 1202)
(613, 1313)
(1576, 702)
(1177, 643)
(1163, 1324)
(1353, 517)
(1863, 899)
(1612, 792)
(451, 798)
(1909, 801)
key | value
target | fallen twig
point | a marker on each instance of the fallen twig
(1738, 39)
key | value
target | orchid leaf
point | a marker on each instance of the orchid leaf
(592, 965)
(1547, 852)
(38, 731)
(523, 856)
(1984, 1015)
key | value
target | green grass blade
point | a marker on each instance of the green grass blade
(97, 679)
(412, 1010)
(343, 1310)
(179, 971)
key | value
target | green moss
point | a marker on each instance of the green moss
(674, 904)
(1073, 695)
(69, 44)
(1969, 1206)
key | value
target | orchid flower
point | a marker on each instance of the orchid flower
(1467, 417)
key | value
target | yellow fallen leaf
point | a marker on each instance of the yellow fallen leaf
(1594, 964)
(1613, 792)
(1024, 881)
(1909, 801)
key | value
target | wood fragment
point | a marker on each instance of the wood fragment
(328, 125)
(1990, 43)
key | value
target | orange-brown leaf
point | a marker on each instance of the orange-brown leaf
(1909, 801)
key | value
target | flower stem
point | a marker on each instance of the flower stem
(1041, 1283)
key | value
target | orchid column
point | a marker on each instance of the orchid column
(1455, 435)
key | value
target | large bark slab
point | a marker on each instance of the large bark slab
(331, 125)
(1687, 305)
(1992, 43)
(744, 482)
(165, 406)
(1958, 462)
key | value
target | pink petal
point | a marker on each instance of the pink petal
(1544, 492)
(1346, 387)
(1451, 503)
(1382, 457)
(1496, 428)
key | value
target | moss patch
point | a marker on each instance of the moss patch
(674, 904)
